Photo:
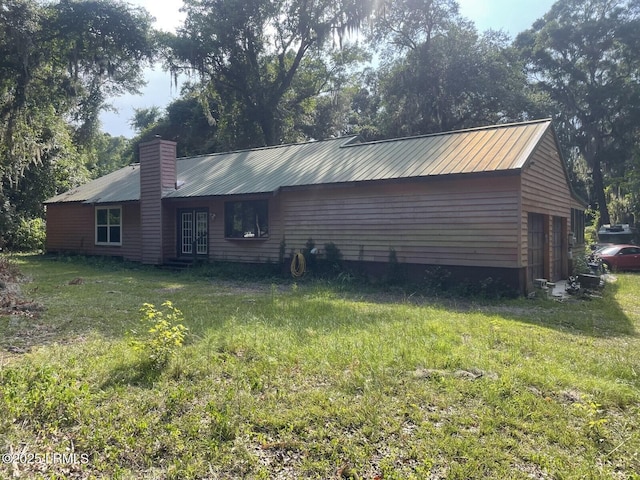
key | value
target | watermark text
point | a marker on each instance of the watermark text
(48, 458)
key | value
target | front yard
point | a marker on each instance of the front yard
(313, 380)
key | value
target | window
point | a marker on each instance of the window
(108, 226)
(248, 219)
(577, 225)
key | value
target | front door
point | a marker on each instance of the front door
(193, 232)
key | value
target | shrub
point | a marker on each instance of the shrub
(333, 256)
(436, 278)
(9, 270)
(29, 235)
(591, 235)
(580, 265)
(164, 336)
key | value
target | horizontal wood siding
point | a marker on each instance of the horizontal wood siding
(71, 229)
(169, 231)
(460, 222)
(545, 190)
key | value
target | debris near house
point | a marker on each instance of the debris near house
(581, 286)
(585, 285)
(12, 301)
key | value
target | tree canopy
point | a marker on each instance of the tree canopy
(59, 64)
(252, 55)
(585, 56)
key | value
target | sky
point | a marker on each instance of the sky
(511, 16)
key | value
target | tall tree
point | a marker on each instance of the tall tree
(104, 45)
(185, 120)
(455, 80)
(585, 56)
(58, 64)
(402, 25)
(250, 53)
(439, 74)
(111, 153)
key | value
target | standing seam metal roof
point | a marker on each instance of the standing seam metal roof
(342, 160)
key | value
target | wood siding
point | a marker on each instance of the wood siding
(545, 191)
(71, 229)
(579, 248)
(461, 222)
(458, 222)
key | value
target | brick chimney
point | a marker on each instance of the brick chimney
(157, 177)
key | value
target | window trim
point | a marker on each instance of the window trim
(264, 237)
(108, 226)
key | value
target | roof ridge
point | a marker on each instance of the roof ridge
(350, 139)
(450, 132)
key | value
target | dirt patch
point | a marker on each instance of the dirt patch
(12, 302)
(21, 313)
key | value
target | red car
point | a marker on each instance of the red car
(620, 257)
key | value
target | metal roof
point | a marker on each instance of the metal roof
(123, 185)
(342, 160)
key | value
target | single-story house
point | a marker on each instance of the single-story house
(492, 202)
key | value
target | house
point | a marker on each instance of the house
(492, 202)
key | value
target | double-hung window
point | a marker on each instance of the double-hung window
(108, 226)
(246, 219)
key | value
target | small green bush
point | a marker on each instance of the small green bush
(333, 256)
(165, 334)
(29, 236)
(580, 265)
(591, 234)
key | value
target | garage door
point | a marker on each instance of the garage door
(558, 250)
(536, 247)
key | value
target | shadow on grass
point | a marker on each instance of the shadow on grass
(596, 314)
(142, 373)
(318, 305)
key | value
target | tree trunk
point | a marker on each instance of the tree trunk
(267, 123)
(598, 187)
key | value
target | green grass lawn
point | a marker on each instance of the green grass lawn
(315, 380)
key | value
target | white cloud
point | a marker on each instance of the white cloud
(166, 12)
